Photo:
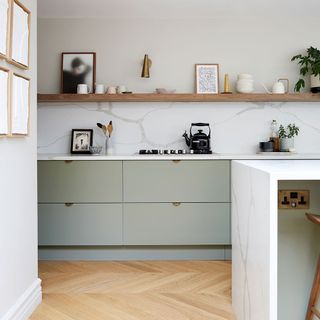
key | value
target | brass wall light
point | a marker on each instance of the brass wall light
(146, 67)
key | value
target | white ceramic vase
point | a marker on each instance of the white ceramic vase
(315, 83)
(286, 144)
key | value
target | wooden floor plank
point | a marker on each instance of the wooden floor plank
(135, 290)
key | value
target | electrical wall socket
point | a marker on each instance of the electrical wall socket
(293, 199)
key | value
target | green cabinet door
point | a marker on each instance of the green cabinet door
(79, 181)
(80, 224)
(184, 181)
(176, 224)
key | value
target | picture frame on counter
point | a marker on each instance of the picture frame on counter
(81, 141)
(20, 35)
(20, 106)
(77, 68)
(207, 78)
(4, 101)
(4, 28)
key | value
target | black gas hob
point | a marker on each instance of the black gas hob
(172, 151)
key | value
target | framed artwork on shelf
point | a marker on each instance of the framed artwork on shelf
(207, 78)
(4, 28)
(81, 141)
(77, 68)
(20, 35)
(4, 101)
(20, 105)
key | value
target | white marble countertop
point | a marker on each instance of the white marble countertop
(287, 170)
(215, 156)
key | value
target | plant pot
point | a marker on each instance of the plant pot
(286, 144)
(315, 83)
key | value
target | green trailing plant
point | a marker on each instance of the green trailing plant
(290, 131)
(309, 64)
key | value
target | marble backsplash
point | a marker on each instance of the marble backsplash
(236, 127)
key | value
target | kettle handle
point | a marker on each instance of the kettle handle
(286, 80)
(200, 124)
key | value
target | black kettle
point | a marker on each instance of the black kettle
(199, 142)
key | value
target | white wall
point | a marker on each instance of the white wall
(260, 46)
(19, 284)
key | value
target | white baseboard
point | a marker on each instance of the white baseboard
(26, 304)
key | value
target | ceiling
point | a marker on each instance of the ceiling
(178, 9)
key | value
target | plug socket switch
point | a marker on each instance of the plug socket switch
(293, 199)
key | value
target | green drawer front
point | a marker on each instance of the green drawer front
(176, 224)
(184, 181)
(80, 181)
(80, 224)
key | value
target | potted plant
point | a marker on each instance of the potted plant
(309, 64)
(286, 136)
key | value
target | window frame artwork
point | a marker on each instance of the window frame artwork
(20, 106)
(207, 78)
(5, 34)
(5, 104)
(17, 37)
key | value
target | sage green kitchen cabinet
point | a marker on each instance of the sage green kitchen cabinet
(80, 224)
(170, 181)
(176, 223)
(79, 181)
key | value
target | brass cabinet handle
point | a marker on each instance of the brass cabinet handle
(176, 161)
(68, 161)
(176, 204)
(69, 204)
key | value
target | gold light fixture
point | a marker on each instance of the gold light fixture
(146, 67)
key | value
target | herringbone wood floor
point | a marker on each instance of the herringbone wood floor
(148, 290)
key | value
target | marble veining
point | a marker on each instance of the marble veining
(236, 127)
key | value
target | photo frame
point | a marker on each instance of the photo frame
(81, 141)
(207, 78)
(77, 68)
(20, 105)
(5, 7)
(4, 101)
(20, 35)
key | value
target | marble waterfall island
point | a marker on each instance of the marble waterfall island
(274, 252)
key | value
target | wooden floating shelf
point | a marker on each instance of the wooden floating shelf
(179, 97)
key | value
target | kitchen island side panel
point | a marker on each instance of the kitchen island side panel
(254, 238)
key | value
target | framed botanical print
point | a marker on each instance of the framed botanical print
(207, 78)
(4, 28)
(20, 105)
(81, 141)
(77, 68)
(20, 35)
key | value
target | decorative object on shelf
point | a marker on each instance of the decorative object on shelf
(4, 28)
(107, 131)
(81, 141)
(121, 89)
(226, 85)
(4, 101)
(245, 83)
(279, 88)
(95, 149)
(165, 91)
(100, 89)
(287, 135)
(20, 105)
(274, 137)
(207, 78)
(83, 89)
(147, 63)
(112, 90)
(77, 68)
(309, 64)
(20, 35)
(266, 146)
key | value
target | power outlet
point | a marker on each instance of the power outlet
(294, 199)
